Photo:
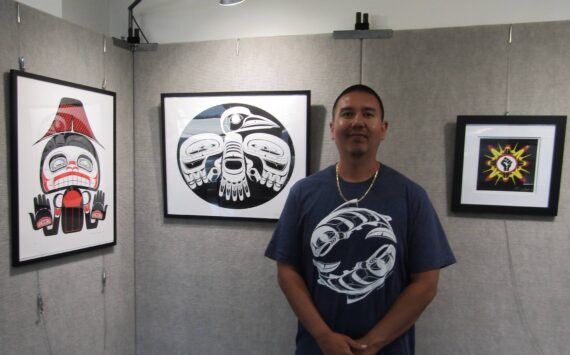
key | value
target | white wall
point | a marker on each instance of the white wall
(168, 21)
(91, 14)
(52, 7)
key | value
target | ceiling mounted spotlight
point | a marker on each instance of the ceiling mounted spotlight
(230, 2)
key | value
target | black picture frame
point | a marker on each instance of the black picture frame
(233, 155)
(62, 160)
(508, 164)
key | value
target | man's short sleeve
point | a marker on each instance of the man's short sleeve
(428, 245)
(286, 243)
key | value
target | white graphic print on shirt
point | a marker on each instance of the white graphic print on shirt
(366, 275)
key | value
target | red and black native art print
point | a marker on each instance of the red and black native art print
(69, 174)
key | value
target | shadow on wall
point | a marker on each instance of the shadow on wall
(318, 125)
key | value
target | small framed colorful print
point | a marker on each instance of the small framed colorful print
(233, 154)
(63, 168)
(508, 164)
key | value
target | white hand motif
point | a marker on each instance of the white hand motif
(275, 156)
(193, 155)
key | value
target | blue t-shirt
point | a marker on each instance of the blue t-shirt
(357, 257)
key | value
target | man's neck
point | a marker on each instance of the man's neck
(357, 170)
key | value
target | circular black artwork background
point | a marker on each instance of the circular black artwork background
(251, 120)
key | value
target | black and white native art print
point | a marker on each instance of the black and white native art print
(245, 163)
(65, 167)
(364, 229)
(233, 155)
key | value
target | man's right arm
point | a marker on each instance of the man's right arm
(299, 298)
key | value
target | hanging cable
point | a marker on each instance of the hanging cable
(42, 318)
(508, 79)
(518, 301)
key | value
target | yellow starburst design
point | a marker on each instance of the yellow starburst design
(507, 164)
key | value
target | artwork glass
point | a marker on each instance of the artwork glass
(233, 154)
(508, 164)
(63, 166)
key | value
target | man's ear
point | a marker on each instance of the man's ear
(384, 129)
(331, 127)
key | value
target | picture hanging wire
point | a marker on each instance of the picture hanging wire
(21, 61)
(104, 84)
(508, 83)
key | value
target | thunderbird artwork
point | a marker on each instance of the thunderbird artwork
(235, 156)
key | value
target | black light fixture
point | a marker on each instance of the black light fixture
(133, 40)
(230, 2)
(362, 30)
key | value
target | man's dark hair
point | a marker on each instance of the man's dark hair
(360, 88)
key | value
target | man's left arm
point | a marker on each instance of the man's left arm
(404, 312)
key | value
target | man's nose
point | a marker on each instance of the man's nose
(358, 120)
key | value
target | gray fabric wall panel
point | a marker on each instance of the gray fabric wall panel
(120, 291)
(488, 302)
(427, 78)
(494, 299)
(17, 287)
(540, 84)
(80, 317)
(203, 286)
(50, 47)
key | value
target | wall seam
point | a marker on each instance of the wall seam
(134, 204)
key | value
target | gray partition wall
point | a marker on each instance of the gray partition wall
(507, 292)
(80, 316)
(203, 285)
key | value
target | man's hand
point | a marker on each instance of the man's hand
(339, 344)
(404, 312)
(370, 350)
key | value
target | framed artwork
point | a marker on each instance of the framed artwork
(233, 154)
(63, 168)
(508, 164)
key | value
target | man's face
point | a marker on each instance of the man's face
(358, 128)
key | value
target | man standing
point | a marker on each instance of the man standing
(358, 245)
